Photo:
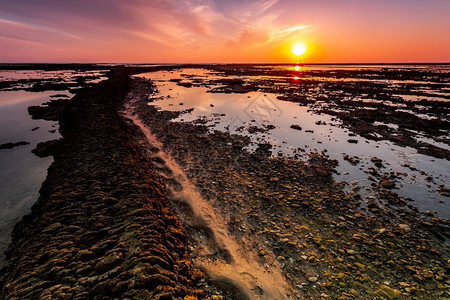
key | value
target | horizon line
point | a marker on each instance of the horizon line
(224, 63)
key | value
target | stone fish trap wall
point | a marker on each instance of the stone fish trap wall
(101, 228)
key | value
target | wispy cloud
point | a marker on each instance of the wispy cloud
(296, 28)
(265, 5)
(259, 24)
(31, 32)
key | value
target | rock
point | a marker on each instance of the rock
(352, 141)
(296, 127)
(50, 111)
(312, 279)
(404, 227)
(108, 262)
(387, 184)
(12, 145)
(45, 149)
(354, 160)
(262, 253)
(84, 255)
(388, 292)
(444, 191)
(377, 162)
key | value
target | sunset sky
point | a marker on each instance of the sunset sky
(204, 31)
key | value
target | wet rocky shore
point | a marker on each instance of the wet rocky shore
(101, 228)
(327, 245)
(107, 224)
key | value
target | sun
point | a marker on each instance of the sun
(299, 49)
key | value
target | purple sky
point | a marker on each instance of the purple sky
(224, 31)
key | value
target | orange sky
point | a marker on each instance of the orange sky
(206, 31)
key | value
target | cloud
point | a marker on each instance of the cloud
(265, 5)
(31, 33)
(259, 24)
(295, 28)
(248, 38)
(199, 18)
(157, 24)
(108, 18)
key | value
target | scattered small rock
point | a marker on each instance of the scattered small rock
(296, 127)
(312, 279)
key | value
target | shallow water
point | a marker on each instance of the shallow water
(21, 172)
(243, 113)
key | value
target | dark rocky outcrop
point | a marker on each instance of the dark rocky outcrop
(49, 111)
(12, 145)
(47, 148)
